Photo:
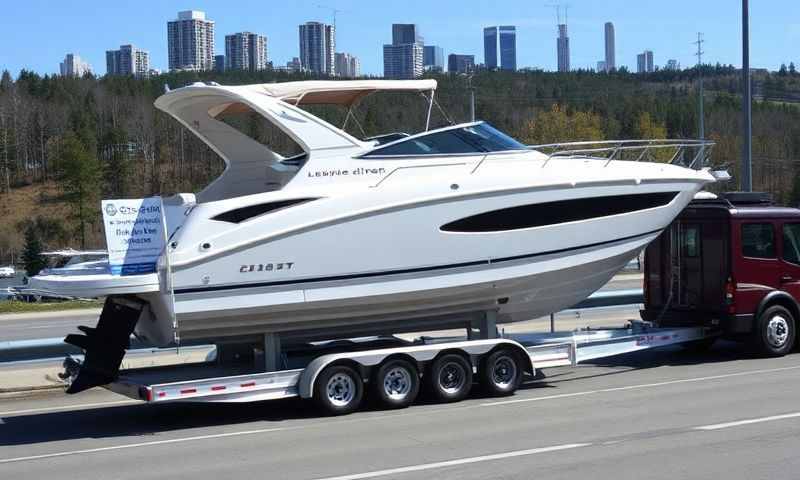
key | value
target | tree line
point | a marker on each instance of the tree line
(96, 138)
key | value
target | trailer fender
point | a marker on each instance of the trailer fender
(420, 353)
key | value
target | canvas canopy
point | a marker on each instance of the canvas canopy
(344, 92)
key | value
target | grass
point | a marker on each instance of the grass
(14, 306)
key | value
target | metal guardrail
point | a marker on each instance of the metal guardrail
(22, 350)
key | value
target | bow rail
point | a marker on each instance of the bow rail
(687, 153)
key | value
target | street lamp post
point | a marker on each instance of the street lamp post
(747, 103)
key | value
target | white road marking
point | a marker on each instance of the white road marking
(69, 407)
(460, 461)
(642, 386)
(143, 444)
(739, 423)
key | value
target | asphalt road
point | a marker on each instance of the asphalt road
(59, 324)
(651, 415)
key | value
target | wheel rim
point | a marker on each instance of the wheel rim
(452, 377)
(341, 389)
(397, 383)
(504, 371)
(777, 331)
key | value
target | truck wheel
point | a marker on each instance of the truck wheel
(501, 373)
(775, 331)
(338, 390)
(449, 378)
(396, 384)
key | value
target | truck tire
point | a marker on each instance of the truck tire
(338, 390)
(501, 373)
(775, 331)
(449, 378)
(396, 384)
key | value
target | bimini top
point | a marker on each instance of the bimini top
(345, 92)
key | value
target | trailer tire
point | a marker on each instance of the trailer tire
(449, 378)
(501, 373)
(775, 331)
(338, 390)
(396, 384)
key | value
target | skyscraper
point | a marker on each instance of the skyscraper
(508, 47)
(673, 65)
(490, 48)
(190, 41)
(460, 63)
(611, 52)
(317, 47)
(219, 63)
(347, 66)
(644, 62)
(73, 66)
(563, 48)
(506, 37)
(128, 60)
(403, 57)
(245, 51)
(433, 58)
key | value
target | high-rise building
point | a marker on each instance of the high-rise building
(490, 48)
(73, 66)
(433, 58)
(219, 63)
(190, 41)
(644, 62)
(460, 63)
(403, 33)
(245, 51)
(317, 47)
(611, 52)
(347, 66)
(563, 48)
(506, 37)
(673, 65)
(294, 65)
(128, 60)
(403, 57)
(508, 47)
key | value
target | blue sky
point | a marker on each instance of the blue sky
(36, 34)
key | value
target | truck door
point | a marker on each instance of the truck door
(790, 258)
(688, 289)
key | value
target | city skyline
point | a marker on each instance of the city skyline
(635, 27)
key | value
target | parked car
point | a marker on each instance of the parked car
(7, 272)
(731, 263)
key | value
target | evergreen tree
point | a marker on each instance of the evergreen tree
(32, 257)
(80, 181)
(794, 195)
(783, 71)
(792, 69)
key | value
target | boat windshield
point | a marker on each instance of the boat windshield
(473, 138)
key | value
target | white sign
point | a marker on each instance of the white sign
(135, 234)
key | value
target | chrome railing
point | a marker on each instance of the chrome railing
(688, 153)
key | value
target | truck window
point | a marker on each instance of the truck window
(758, 240)
(791, 243)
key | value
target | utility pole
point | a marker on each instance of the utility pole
(701, 124)
(747, 103)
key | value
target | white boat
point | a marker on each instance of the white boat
(391, 233)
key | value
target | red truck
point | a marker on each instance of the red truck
(733, 264)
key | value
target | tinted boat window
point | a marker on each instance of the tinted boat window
(553, 213)
(479, 138)
(758, 240)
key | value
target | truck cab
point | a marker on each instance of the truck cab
(731, 263)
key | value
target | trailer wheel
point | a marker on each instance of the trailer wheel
(501, 373)
(338, 390)
(775, 331)
(449, 378)
(396, 384)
